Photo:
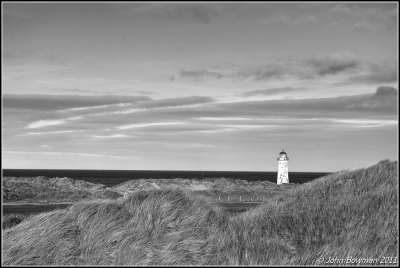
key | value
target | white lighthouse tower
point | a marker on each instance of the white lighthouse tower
(283, 171)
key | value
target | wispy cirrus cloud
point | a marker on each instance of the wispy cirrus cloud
(272, 91)
(113, 136)
(366, 122)
(59, 102)
(144, 125)
(51, 132)
(214, 118)
(185, 112)
(223, 125)
(46, 123)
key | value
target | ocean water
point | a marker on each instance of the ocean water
(114, 177)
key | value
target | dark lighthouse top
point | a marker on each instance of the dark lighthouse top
(283, 156)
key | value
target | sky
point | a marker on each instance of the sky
(199, 86)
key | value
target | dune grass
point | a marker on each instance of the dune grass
(149, 228)
(349, 213)
(33, 189)
(345, 214)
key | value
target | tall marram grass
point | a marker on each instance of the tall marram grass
(346, 214)
(149, 228)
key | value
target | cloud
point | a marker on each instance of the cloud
(80, 103)
(374, 73)
(309, 68)
(175, 102)
(113, 136)
(50, 132)
(191, 115)
(384, 99)
(200, 74)
(333, 64)
(159, 104)
(214, 118)
(340, 105)
(144, 125)
(59, 102)
(260, 73)
(20, 115)
(99, 107)
(386, 91)
(253, 72)
(45, 123)
(272, 91)
(366, 122)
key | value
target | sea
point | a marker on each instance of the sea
(112, 178)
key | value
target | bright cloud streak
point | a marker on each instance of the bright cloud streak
(367, 122)
(51, 132)
(149, 125)
(111, 136)
(45, 123)
(224, 118)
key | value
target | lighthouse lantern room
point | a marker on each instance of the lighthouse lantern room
(283, 171)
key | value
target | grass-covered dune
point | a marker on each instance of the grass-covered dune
(345, 214)
(44, 189)
(54, 190)
(149, 228)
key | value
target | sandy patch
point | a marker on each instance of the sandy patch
(155, 185)
(197, 187)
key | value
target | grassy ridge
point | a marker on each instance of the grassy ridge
(43, 189)
(344, 214)
(156, 227)
(214, 188)
(55, 190)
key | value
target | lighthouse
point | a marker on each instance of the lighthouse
(283, 171)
